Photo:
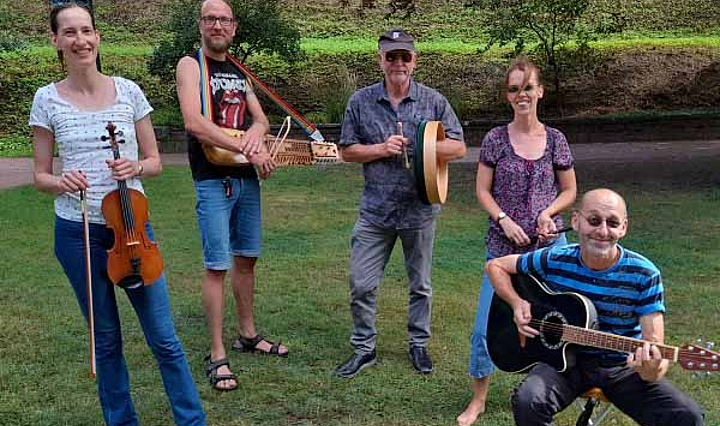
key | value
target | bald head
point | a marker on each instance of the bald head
(603, 199)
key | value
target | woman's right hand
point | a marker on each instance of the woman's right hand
(514, 232)
(72, 181)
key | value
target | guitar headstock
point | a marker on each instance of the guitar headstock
(699, 358)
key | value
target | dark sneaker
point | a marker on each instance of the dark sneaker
(420, 359)
(355, 364)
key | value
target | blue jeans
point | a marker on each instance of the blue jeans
(230, 220)
(152, 306)
(480, 364)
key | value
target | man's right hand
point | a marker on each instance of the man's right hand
(522, 316)
(393, 145)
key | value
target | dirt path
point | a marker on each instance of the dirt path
(685, 162)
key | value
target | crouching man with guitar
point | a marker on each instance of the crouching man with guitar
(620, 290)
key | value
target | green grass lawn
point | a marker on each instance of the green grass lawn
(302, 298)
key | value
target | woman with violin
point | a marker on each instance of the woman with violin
(74, 114)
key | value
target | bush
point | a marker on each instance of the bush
(262, 29)
(334, 95)
(15, 146)
(9, 38)
(618, 80)
(9, 42)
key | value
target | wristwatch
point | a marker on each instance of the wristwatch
(501, 216)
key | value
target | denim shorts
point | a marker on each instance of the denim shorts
(230, 220)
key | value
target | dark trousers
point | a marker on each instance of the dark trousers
(545, 392)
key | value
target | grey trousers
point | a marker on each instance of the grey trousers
(370, 249)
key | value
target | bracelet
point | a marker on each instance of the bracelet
(140, 169)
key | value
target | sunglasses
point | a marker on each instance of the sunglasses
(595, 221)
(403, 56)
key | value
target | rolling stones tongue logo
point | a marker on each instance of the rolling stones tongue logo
(232, 109)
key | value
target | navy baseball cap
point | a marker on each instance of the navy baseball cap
(396, 39)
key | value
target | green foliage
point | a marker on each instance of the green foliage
(9, 39)
(22, 74)
(334, 95)
(10, 42)
(662, 15)
(262, 28)
(548, 26)
(15, 146)
(182, 38)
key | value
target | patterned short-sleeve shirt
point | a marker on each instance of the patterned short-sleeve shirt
(78, 136)
(522, 188)
(390, 199)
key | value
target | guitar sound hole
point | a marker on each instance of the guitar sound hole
(551, 329)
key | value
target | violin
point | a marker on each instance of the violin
(134, 259)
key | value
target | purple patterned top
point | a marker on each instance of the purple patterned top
(522, 188)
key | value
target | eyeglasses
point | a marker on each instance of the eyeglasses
(516, 89)
(209, 21)
(595, 221)
(403, 56)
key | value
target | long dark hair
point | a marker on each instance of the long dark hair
(54, 20)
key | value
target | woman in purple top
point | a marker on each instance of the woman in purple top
(525, 178)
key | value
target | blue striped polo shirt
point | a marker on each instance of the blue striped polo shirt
(621, 294)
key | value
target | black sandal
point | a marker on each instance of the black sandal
(211, 368)
(243, 344)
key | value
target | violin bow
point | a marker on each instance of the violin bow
(88, 282)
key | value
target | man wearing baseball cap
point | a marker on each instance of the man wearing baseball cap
(380, 121)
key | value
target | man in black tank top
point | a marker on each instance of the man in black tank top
(228, 198)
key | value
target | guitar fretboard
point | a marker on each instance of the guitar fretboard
(599, 339)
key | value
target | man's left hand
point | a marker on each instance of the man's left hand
(647, 361)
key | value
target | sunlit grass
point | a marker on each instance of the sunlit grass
(302, 298)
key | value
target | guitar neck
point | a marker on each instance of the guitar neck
(602, 340)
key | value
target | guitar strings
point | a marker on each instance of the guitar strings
(557, 330)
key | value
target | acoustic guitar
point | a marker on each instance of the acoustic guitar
(564, 320)
(285, 152)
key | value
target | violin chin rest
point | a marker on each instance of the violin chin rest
(131, 282)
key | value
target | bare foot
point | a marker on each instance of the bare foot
(471, 413)
(476, 406)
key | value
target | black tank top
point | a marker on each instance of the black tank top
(229, 89)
